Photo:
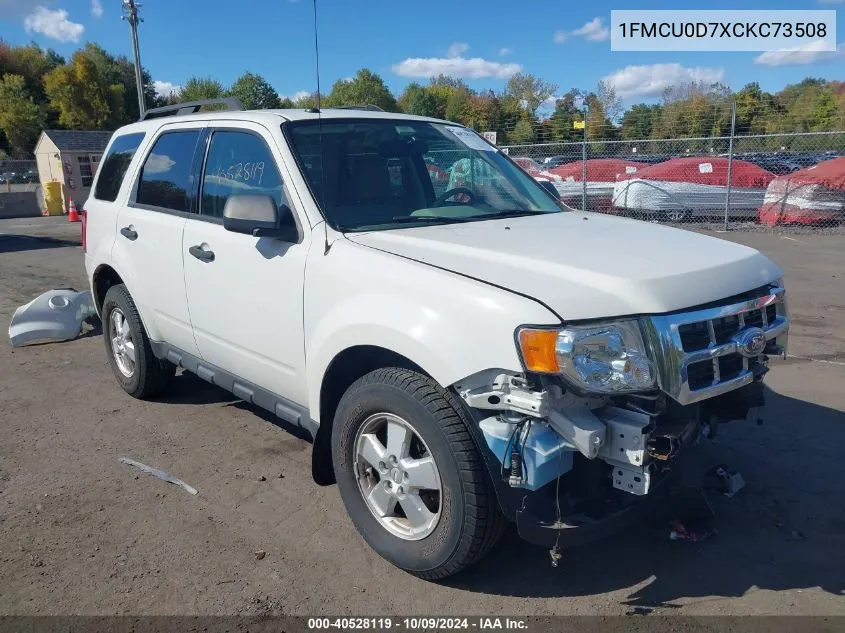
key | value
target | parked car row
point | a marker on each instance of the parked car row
(19, 177)
(683, 189)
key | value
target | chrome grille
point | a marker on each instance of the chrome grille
(696, 352)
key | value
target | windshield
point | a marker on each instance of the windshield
(380, 174)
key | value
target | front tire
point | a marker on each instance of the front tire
(130, 354)
(410, 475)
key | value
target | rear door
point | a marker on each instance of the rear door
(148, 245)
(246, 302)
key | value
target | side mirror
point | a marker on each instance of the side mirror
(550, 187)
(257, 215)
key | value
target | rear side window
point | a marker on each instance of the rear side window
(165, 180)
(238, 163)
(115, 164)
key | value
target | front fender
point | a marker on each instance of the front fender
(449, 325)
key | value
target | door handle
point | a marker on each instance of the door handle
(129, 233)
(201, 254)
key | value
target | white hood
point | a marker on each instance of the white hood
(586, 265)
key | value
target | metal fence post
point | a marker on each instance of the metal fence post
(730, 162)
(584, 164)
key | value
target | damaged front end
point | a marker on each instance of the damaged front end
(582, 445)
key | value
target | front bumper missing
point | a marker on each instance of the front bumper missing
(599, 501)
(536, 526)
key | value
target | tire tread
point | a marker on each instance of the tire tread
(485, 523)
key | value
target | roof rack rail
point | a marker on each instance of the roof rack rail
(191, 107)
(368, 106)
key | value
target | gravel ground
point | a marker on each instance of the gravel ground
(81, 533)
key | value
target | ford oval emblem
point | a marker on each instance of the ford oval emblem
(751, 342)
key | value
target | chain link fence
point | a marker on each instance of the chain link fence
(752, 162)
(15, 175)
(769, 181)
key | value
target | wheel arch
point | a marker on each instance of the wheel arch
(104, 277)
(344, 369)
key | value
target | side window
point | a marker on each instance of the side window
(165, 179)
(114, 166)
(238, 163)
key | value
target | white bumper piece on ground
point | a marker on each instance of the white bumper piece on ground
(56, 315)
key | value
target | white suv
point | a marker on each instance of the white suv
(464, 350)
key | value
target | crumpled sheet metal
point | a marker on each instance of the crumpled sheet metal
(56, 315)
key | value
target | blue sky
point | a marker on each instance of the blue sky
(482, 40)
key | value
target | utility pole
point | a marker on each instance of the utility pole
(130, 14)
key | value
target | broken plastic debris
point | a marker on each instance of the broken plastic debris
(725, 480)
(694, 520)
(681, 533)
(56, 315)
(155, 472)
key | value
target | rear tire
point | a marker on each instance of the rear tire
(130, 354)
(463, 520)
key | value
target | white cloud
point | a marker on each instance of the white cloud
(474, 68)
(165, 88)
(593, 31)
(96, 8)
(505, 51)
(158, 164)
(457, 49)
(651, 80)
(809, 54)
(53, 24)
(301, 94)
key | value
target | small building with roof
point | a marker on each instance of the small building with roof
(70, 158)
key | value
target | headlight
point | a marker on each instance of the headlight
(600, 358)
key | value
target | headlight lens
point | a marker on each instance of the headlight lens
(600, 358)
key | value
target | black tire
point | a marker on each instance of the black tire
(470, 522)
(150, 375)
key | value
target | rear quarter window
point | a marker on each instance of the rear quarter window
(114, 165)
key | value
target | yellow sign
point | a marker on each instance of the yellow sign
(578, 125)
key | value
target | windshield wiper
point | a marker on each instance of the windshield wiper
(511, 213)
(409, 219)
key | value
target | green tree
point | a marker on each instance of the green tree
(121, 71)
(365, 88)
(201, 88)
(441, 88)
(308, 101)
(20, 118)
(31, 62)
(599, 126)
(529, 91)
(639, 121)
(458, 106)
(561, 124)
(83, 96)
(285, 102)
(523, 132)
(610, 102)
(419, 100)
(254, 92)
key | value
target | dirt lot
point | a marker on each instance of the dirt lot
(81, 533)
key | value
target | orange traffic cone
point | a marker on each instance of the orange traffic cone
(72, 213)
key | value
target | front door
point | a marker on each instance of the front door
(245, 300)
